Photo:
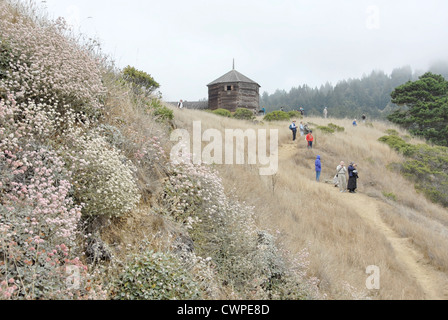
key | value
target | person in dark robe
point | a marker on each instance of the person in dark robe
(352, 177)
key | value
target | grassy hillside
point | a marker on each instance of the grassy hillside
(336, 228)
(92, 207)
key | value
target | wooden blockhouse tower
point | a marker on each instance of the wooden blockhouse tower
(233, 90)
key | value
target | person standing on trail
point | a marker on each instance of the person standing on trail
(340, 173)
(318, 167)
(302, 129)
(309, 138)
(325, 112)
(352, 177)
(293, 128)
(180, 105)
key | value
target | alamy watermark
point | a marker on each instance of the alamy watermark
(73, 277)
(229, 149)
(373, 280)
(373, 17)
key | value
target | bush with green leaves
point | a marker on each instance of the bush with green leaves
(163, 114)
(392, 132)
(159, 111)
(155, 276)
(295, 114)
(325, 129)
(336, 127)
(141, 81)
(425, 165)
(222, 112)
(277, 116)
(330, 128)
(244, 114)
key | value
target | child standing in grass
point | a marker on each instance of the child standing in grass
(310, 139)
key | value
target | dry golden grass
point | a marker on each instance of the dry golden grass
(405, 238)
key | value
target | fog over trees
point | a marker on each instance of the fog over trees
(350, 98)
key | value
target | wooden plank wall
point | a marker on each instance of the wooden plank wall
(242, 95)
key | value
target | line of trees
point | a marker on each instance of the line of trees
(370, 95)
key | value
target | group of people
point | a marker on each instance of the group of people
(309, 137)
(355, 122)
(340, 179)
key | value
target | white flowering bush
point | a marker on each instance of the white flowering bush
(41, 62)
(221, 228)
(104, 180)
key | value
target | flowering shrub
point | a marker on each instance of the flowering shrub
(155, 276)
(104, 182)
(38, 219)
(43, 63)
(221, 227)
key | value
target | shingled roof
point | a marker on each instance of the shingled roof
(232, 76)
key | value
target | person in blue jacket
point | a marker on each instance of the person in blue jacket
(318, 166)
(293, 128)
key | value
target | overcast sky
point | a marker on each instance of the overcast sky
(280, 44)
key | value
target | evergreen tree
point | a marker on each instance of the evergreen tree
(424, 109)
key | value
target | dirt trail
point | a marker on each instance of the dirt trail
(406, 253)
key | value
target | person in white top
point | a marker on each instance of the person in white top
(341, 172)
(180, 105)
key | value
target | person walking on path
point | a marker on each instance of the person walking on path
(325, 112)
(318, 167)
(341, 171)
(309, 138)
(180, 105)
(293, 128)
(352, 177)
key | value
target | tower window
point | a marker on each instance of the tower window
(229, 88)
